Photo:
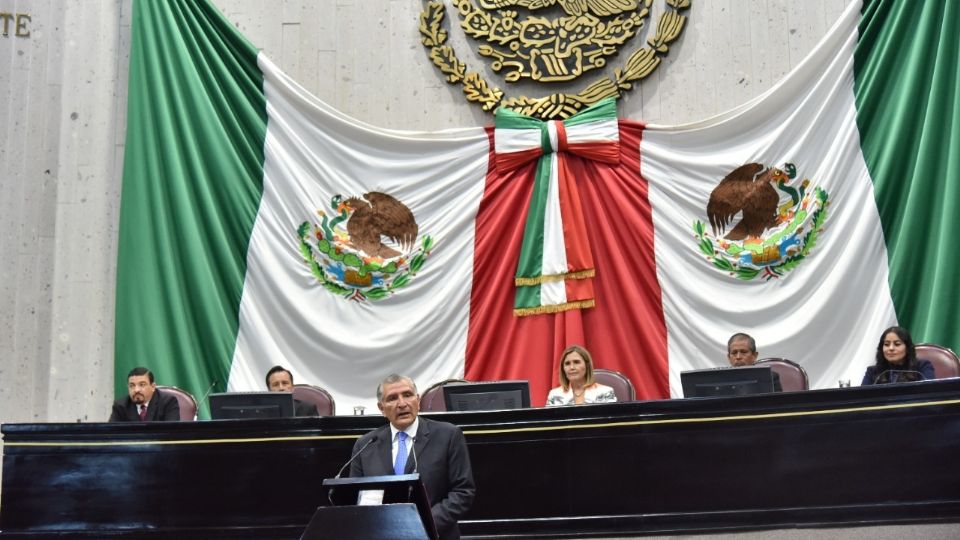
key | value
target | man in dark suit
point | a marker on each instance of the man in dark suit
(145, 403)
(742, 351)
(279, 379)
(438, 452)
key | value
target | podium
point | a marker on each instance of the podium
(403, 514)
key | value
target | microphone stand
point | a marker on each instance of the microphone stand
(416, 466)
(205, 396)
(349, 461)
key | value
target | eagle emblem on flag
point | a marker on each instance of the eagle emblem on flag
(773, 225)
(365, 247)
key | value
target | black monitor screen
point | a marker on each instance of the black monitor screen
(233, 405)
(487, 396)
(731, 381)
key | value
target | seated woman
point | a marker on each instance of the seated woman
(576, 381)
(897, 360)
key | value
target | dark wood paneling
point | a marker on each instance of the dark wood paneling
(876, 454)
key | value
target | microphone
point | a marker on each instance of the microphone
(899, 372)
(416, 466)
(413, 451)
(206, 395)
(355, 456)
(349, 461)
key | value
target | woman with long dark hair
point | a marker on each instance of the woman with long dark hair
(897, 360)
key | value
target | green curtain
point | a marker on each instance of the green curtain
(192, 182)
(907, 83)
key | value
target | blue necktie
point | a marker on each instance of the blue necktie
(401, 462)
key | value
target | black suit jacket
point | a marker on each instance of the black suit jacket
(162, 407)
(924, 367)
(302, 408)
(442, 461)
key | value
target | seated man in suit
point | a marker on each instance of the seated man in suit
(438, 452)
(145, 403)
(279, 379)
(742, 351)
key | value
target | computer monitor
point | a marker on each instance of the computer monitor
(232, 405)
(727, 381)
(487, 396)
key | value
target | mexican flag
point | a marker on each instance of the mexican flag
(259, 226)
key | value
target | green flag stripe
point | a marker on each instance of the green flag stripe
(192, 182)
(908, 113)
(510, 119)
(604, 109)
(531, 252)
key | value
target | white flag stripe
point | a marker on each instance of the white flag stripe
(517, 140)
(827, 312)
(601, 131)
(286, 317)
(554, 250)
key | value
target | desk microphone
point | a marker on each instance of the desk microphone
(354, 456)
(207, 393)
(900, 372)
(416, 466)
(349, 461)
(413, 450)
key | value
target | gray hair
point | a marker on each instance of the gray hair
(742, 337)
(394, 378)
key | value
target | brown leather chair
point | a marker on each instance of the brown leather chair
(309, 393)
(793, 378)
(621, 385)
(431, 400)
(945, 362)
(188, 405)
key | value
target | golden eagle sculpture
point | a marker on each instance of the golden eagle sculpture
(748, 189)
(379, 215)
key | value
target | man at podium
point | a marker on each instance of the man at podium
(409, 444)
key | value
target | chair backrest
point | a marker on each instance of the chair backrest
(945, 362)
(188, 405)
(431, 400)
(318, 396)
(793, 378)
(621, 385)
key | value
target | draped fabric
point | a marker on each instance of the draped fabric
(823, 305)
(908, 113)
(555, 268)
(295, 310)
(192, 179)
(624, 331)
(241, 243)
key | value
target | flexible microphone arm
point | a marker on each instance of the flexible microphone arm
(353, 457)
(205, 396)
(413, 450)
(349, 461)
(416, 466)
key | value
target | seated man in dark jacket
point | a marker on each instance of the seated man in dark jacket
(742, 351)
(279, 379)
(145, 403)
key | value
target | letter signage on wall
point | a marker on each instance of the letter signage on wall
(14, 24)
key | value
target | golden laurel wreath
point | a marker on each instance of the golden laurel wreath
(505, 30)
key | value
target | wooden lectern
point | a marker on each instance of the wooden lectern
(403, 515)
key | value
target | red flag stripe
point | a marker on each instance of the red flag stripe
(626, 329)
